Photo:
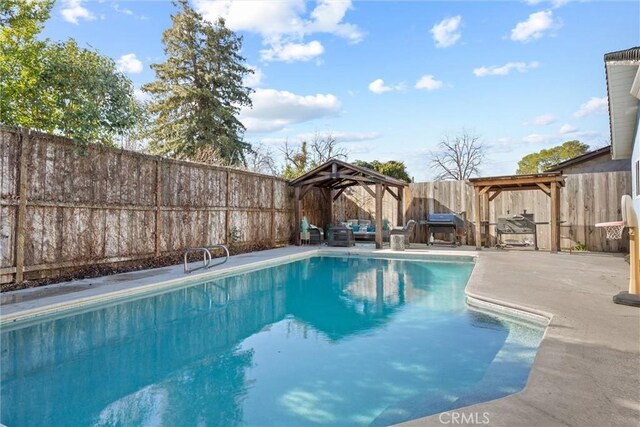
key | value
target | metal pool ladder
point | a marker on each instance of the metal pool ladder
(206, 257)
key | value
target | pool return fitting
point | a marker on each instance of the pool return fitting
(206, 257)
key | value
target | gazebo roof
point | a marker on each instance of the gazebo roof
(336, 174)
(519, 182)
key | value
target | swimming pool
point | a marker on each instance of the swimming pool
(320, 341)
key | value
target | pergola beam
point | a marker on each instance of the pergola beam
(544, 188)
(314, 180)
(517, 180)
(305, 190)
(485, 189)
(370, 191)
(495, 194)
(390, 191)
(344, 186)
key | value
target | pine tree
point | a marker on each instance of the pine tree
(199, 92)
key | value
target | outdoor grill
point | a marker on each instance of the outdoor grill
(450, 224)
(517, 224)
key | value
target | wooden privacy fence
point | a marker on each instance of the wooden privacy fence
(62, 208)
(586, 199)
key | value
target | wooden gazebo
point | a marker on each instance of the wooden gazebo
(334, 177)
(487, 189)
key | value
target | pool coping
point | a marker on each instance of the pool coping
(90, 297)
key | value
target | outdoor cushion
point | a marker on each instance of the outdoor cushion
(355, 228)
(371, 228)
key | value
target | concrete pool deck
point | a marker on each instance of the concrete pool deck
(587, 369)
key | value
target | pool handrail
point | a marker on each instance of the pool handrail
(206, 257)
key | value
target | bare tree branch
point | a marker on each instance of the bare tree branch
(458, 157)
(261, 159)
(325, 148)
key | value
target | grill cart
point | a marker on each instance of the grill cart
(450, 224)
(517, 224)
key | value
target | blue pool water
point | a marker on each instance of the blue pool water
(321, 341)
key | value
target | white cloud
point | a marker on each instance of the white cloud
(505, 69)
(129, 64)
(534, 27)
(345, 137)
(566, 129)
(378, 86)
(593, 106)
(269, 19)
(253, 80)
(284, 24)
(446, 33)
(273, 109)
(327, 18)
(72, 11)
(536, 138)
(122, 10)
(340, 136)
(543, 120)
(293, 52)
(554, 3)
(428, 82)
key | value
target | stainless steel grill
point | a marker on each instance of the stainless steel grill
(450, 224)
(517, 224)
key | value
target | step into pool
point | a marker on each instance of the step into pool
(325, 340)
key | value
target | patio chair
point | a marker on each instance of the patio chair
(406, 231)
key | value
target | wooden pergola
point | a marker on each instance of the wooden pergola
(487, 189)
(334, 177)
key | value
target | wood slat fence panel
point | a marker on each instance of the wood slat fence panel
(102, 205)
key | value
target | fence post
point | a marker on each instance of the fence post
(158, 226)
(273, 211)
(226, 204)
(25, 145)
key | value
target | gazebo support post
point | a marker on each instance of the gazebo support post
(329, 212)
(486, 214)
(379, 194)
(478, 219)
(297, 215)
(554, 218)
(400, 220)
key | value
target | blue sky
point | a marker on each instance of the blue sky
(390, 78)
